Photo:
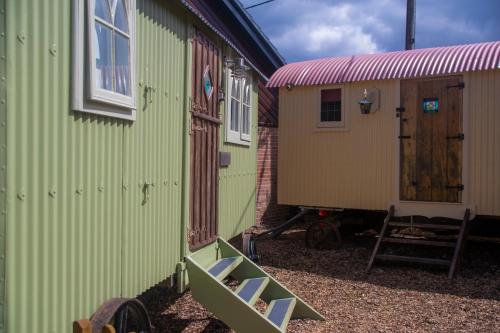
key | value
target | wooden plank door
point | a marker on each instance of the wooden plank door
(204, 146)
(431, 139)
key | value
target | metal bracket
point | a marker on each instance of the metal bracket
(404, 137)
(459, 187)
(461, 85)
(459, 136)
(399, 110)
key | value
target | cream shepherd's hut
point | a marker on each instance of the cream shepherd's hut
(416, 129)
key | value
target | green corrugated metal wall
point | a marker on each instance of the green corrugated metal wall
(154, 152)
(79, 230)
(3, 160)
(237, 183)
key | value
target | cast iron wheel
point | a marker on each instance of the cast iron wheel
(124, 314)
(323, 235)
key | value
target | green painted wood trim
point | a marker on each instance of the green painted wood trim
(3, 159)
(288, 314)
(247, 269)
(257, 292)
(224, 304)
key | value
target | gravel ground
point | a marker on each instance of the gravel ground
(389, 299)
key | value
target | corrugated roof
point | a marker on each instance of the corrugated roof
(391, 65)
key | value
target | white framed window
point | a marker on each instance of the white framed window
(331, 110)
(104, 57)
(238, 109)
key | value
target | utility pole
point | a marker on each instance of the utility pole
(410, 24)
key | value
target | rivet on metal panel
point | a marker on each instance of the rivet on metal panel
(141, 83)
(3, 190)
(20, 37)
(166, 94)
(52, 193)
(79, 191)
(21, 195)
(175, 183)
(125, 187)
(3, 78)
(177, 97)
(3, 124)
(4, 212)
(165, 182)
(100, 188)
(53, 50)
(2, 101)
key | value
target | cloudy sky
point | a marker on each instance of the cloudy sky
(307, 29)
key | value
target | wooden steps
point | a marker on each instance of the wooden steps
(457, 246)
(207, 272)
(419, 260)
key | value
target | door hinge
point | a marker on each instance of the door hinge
(461, 85)
(399, 110)
(404, 137)
(459, 136)
(459, 187)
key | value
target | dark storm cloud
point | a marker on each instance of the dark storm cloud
(307, 29)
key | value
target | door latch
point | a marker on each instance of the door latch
(459, 136)
(459, 187)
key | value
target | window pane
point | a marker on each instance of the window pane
(102, 10)
(235, 106)
(103, 57)
(235, 89)
(122, 64)
(331, 111)
(246, 93)
(246, 120)
(121, 16)
(331, 105)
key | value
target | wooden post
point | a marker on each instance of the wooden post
(82, 326)
(379, 240)
(462, 236)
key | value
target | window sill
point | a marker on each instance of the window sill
(125, 114)
(238, 142)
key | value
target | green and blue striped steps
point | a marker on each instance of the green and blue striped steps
(208, 270)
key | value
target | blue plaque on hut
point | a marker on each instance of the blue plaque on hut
(430, 105)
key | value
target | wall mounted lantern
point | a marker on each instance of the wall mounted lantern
(365, 104)
(238, 68)
(370, 101)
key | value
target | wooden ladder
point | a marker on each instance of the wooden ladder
(458, 246)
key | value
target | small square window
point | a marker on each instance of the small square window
(331, 113)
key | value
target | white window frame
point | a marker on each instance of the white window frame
(238, 137)
(87, 97)
(332, 124)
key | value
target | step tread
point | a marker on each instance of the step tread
(424, 225)
(279, 311)
(402, 240)
(421, 260)
(222, 267)
(250, 289)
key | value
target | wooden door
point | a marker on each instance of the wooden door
(204, 133)
(431, 139)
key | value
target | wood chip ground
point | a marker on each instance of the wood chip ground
(389, 299)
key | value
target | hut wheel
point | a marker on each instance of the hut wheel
(123, 314)
(323, 235)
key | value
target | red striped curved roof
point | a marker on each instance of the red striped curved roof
(391, 65)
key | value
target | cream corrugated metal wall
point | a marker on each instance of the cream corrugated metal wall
(482, 101)
(353, 168)
(357, 168)
(78, 232)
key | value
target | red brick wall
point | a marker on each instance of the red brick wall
(268, 210)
